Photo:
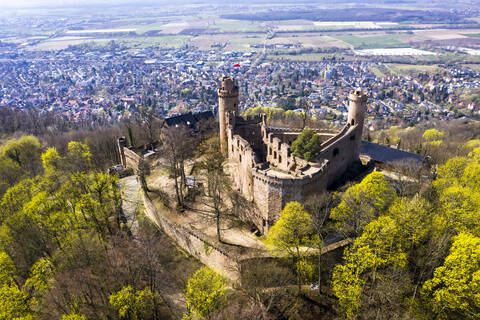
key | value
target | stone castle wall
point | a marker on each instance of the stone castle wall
(242, 159)
(271, 194)
(340, 151)
(128, 158)
(132, 159)
(196, 243)
(268, 193)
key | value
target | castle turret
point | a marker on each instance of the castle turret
(356, 115)
(227, 103)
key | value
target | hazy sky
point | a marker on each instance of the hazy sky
(59, 3)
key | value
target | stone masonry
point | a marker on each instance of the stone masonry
(261, 164)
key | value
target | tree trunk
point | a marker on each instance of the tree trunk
(296, 271)
(218, 227)
(175, 178)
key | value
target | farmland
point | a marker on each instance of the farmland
(290, 34)
(362, 41)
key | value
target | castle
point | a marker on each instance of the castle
(262, 165)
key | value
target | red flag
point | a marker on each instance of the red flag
(236, 65)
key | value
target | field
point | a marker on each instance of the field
(179, 24)
(393, 52)
(372, 42)
(409, 69)
(65, 42)
(475, 67)
(309, 40)
(175, 41)
(204, 26)
(381, 71)
(241, 42)
(302, 57)
(228, 25)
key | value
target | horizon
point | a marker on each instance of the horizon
(37, 4)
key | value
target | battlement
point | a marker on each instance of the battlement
(262, 165)
(358, 96)
(228, 89)
(275, 177)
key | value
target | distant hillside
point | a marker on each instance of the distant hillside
(354, 14)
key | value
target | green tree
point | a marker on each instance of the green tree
(307, 145)
(14, 303)
(131, 304)
(375, 250)
(78, 158)
(10, 174)
(293, 236)
(40, 280)
(205, 293)
(51, 161)
(454, 289)
(73, 316)
(362, 203)
(7, 269)
(25, 152)
(433, 135)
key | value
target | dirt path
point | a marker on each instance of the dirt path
(168, 289)
(131, 201)
(201, 217)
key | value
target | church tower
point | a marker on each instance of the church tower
(227, 103)
(356, 115)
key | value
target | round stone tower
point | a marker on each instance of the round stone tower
(227, 102)
(356, 115)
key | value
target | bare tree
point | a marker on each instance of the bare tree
(264, 284)
(410, 176)
(319, 207)
(218, 186)
(176, 147)
(149, 121)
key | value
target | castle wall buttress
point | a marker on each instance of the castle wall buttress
(268, 197)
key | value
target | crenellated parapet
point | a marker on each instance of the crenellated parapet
(228, 89)
(270, 177)
(261, 162)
